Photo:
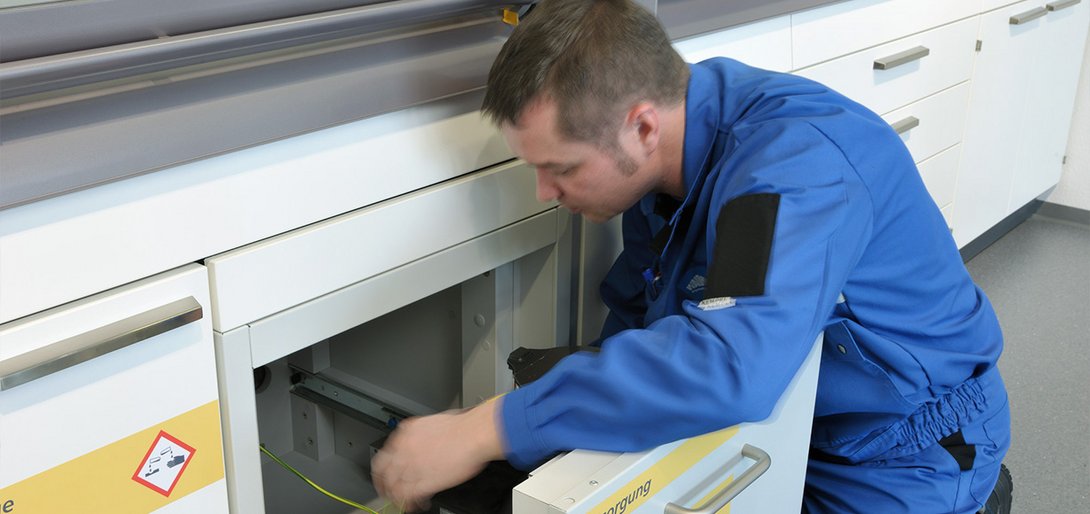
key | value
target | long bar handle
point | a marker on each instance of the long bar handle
(1061, 4)
(763, 462)
(98, 342)
(895, 60)
(906, 124)
(1028, 16)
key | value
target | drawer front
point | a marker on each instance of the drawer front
(65, 248)
(933, 124)
(940, 175)
(948, 215)
(823, 34)
(932, 61)
(988, 5)
(689, 473)
(765, 44)
(95, 420)
(267, 277)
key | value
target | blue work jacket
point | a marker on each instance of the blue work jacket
(804, 213)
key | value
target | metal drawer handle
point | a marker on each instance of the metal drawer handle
(1029, 15)
(895, 60)
(98, 342)
(764, 461)
(906, 124)
(1062, 4)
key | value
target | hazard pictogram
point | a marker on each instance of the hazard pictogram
(164, 463)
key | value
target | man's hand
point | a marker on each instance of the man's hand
(429, 454)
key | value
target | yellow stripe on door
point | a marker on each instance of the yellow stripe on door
(102, 480)
(633, 494)
(718, 489)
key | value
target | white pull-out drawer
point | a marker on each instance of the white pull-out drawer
(940, 175)
(948, 215)
(988, 5)
(267, 277)
(110, 404)
(691, 473)
(915, 66)
(933, 124)
(765, 44)
(839, 29)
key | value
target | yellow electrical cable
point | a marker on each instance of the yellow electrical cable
(319, 488)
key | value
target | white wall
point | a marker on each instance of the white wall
(1074, 187)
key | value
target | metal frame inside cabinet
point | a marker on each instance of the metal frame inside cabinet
(72, 121)
(683, 18)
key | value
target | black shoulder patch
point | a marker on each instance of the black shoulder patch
(743, 246)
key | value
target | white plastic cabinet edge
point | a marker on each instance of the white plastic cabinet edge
(68, 247)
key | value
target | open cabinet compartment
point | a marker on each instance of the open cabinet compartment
(429, 330)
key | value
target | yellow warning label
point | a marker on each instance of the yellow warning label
(102, 480)
(633, 494)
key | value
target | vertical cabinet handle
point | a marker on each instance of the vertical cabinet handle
(1061, 4)
(906, 124)
(895, 60)
(1029, 15)
(763, 462)
(98, 342)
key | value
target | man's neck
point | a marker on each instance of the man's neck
(672, 146)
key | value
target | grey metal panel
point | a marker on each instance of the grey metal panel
(79, 143)
(683, 18)
(61, 27)
(100, 65)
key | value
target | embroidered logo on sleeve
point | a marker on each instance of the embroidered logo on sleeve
(712, 304)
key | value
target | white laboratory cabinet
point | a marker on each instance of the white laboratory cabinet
(110, 403)
(291, 293)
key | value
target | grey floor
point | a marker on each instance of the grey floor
(1038, 278)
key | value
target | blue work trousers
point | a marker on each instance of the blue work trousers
(931, 481)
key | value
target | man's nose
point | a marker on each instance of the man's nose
(546, 187)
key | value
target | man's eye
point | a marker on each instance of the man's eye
(565, 171)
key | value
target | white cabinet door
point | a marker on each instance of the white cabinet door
(1054, 77)
(1019, 111)
(997, 109)
(110, 404)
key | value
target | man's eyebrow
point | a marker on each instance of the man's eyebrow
(550, 165)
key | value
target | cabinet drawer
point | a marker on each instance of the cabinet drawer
(940, 175)
(840, 29)
(936, 60)
(948, 215)
(88, 387)
(691, 472)
(267, 277)
(766, 44)
(988, 5)
(939, 121)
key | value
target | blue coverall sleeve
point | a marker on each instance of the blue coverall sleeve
(702, 370)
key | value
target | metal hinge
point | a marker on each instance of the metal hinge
(979, 45)
(1065, 160)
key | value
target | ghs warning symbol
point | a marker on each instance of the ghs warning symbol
(164, 463)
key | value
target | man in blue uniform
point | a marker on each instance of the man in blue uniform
(759, 209)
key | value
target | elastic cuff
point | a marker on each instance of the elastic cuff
(521, 448)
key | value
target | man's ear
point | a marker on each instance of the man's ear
(643, 120)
